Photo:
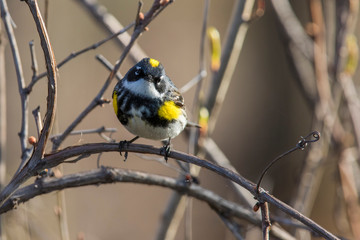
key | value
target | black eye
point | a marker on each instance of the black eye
(157, 80)
(159, 84)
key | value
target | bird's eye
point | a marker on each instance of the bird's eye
(157, 80)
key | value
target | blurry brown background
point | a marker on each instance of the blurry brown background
(264, 114)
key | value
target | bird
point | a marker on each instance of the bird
(148, 104)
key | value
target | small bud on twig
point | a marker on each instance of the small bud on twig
(32, 140)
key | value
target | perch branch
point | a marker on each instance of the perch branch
(110, 175)
(56, 158)
(150, 15)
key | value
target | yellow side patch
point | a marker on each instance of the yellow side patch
(154, 63)
(115, 103)
(169, 111)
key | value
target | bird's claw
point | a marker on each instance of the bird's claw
(166, 149)
(123, 144)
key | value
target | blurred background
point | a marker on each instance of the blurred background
(263, 115)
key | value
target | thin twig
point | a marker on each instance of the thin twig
(232, 226)
(266, 224)
(108, 65)
(218, 157)
(320, 62)
(299, 49)
(231, 51)
(3, 123)
(178, 205)
(112, 25)
(34, 64)
(23, 134)
(195, 80)
(73, 55)
(37, 117)
(156, 7)
(300, 145)
(99, 131)
(347, 166)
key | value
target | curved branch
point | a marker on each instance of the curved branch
(105, 175)
(26, 169)
(61, 156)
(52, 79)
(149, 16)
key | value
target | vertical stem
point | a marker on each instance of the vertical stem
(23, 134)
(265, 219)
(3, 122)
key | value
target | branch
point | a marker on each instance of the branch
(105, 175)
(150, 15)
(24, 99)
(52, 79)
(73, 55)
(57, 158)
(99, 131)
(3, 123)
(26, 169)
(34, 164)
(231, 50)
(112, 25)
(299, 48)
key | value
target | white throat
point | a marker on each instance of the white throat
(142, 88)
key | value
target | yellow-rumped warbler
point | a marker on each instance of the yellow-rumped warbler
(148, 104)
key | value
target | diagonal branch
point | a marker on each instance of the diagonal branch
(150, 15)
(75, 54)
(112, 25)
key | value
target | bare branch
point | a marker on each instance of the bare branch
(108, 65)
(73, 55)
(156, 8)
(52, 79)
(266, 224)
(108, 21)
(37, 117)
(232, 226)
(105, 175)
(99, 131)
(38, 153)
(221, 79)
(299, 47)
(23, 134)
(56, 158)
(3, 123)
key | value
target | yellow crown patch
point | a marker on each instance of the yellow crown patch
(154, 63)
